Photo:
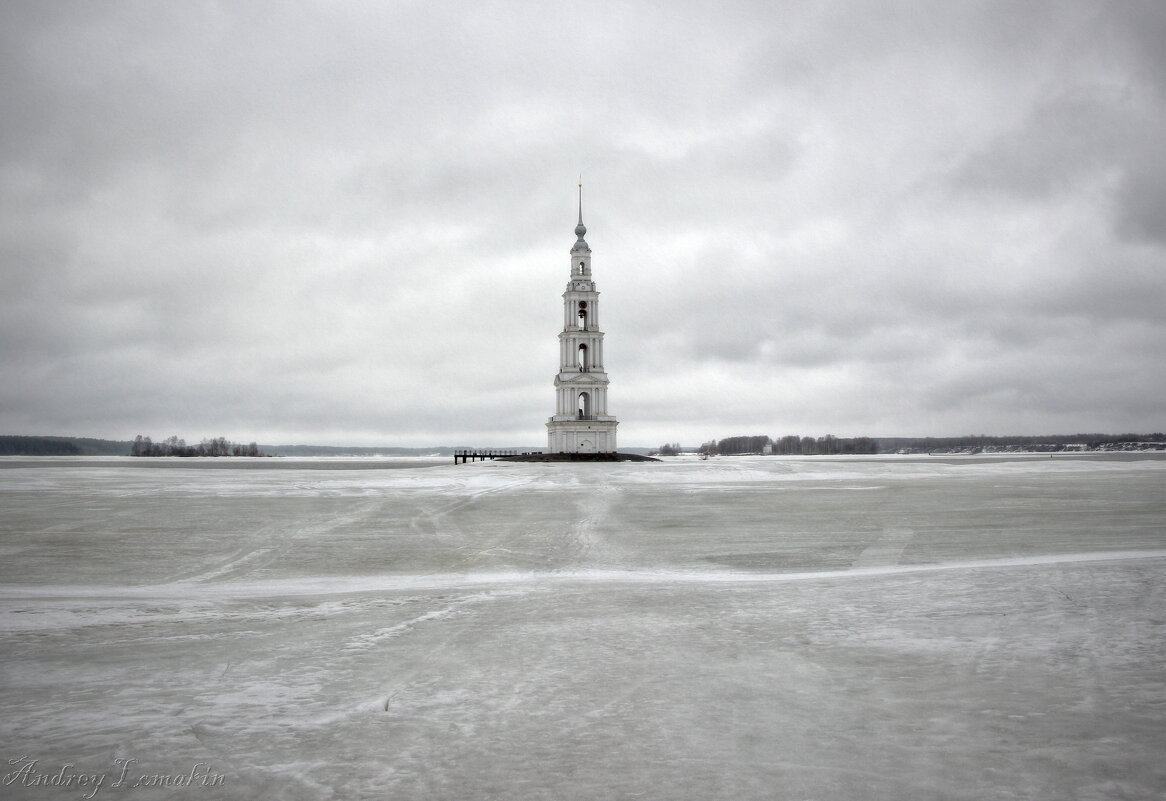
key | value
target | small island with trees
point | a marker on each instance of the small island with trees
(175, 446)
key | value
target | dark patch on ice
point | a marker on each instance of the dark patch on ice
(787, 561)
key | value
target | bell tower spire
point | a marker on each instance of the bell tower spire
(581, 423)
(581, 229)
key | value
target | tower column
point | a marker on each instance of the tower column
(581, 423)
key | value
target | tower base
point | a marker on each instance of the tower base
(581, 436)
(577, 457)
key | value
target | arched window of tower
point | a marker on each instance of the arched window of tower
(582, 360)
(584, 405)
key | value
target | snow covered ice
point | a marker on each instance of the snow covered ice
(741, 628)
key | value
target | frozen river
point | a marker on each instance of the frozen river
(742, 628)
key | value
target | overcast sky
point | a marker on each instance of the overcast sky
(349, 223)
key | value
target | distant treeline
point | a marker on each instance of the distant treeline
(794, 445)
(19, 445)
(790, 445)
(12, 445)
(174, 446)
(1018, 442)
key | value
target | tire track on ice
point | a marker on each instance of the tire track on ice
(585, 546)
(886, 550)
(339, 585)
(433, 523)
(280, 538)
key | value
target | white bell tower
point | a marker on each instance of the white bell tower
(581, 423)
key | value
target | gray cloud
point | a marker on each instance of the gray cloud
(350, 223)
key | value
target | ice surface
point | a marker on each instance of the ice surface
(741, 628)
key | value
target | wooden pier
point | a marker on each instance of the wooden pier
(463, 456)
